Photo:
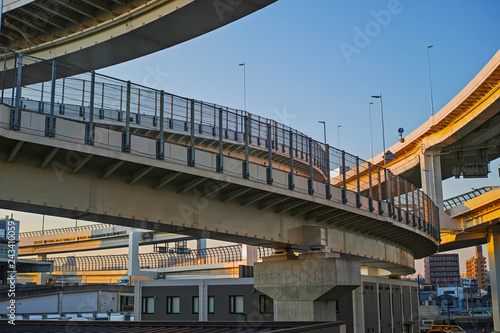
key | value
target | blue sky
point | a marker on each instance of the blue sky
(298, 73)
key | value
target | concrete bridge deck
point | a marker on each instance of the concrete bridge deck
(133, 156)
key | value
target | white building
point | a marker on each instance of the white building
(452, 290)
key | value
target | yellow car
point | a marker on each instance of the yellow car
(448, 328)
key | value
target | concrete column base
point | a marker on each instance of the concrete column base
(306, 287)
(307, 311)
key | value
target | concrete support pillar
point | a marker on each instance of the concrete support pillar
(358, 312)
(42, 277)
(494, 261)
(306, 287)
(133, 252)
(99, 301)
(202, 301)
(201, 244)
(138, 301)
(249, 254)
(432, 180)
(59, 302)
(133, 256)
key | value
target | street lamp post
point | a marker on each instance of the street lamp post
(338, 135)
(324, 129)
(383, 127)
(244, 86)
(383, 144)
(430, 82)
(370, 114)
(326, 152)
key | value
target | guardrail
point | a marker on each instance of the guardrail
(65, 230)
(101, 101)
(187, 257)
(460, 199)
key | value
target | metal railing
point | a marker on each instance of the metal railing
(64, 230)
(189, 257)
(60, 91)
(460, 199)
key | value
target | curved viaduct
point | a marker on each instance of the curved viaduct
(129, 155)
(464, 131)
(93, 34)
(459, 141)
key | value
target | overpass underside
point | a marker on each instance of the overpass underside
(478, 214)
(97, 34)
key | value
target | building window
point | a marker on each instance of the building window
(126, 303)
(211, 304)
(148, 305)
(265, 304)
(235, 304)
(196, 305)
(173, 304)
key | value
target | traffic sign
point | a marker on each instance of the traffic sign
(389, 156)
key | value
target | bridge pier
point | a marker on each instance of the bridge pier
(306, 287)
(133, 256)
(494, 261)
(42, 277)
(430, 172)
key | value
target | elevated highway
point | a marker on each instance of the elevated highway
(223, 261)
(458, 141)
(464, 130)
(477, 211)
(105, 150)
(86, 238)
(125, 154)
(93, 34)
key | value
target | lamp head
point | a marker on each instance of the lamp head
(376, 96)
